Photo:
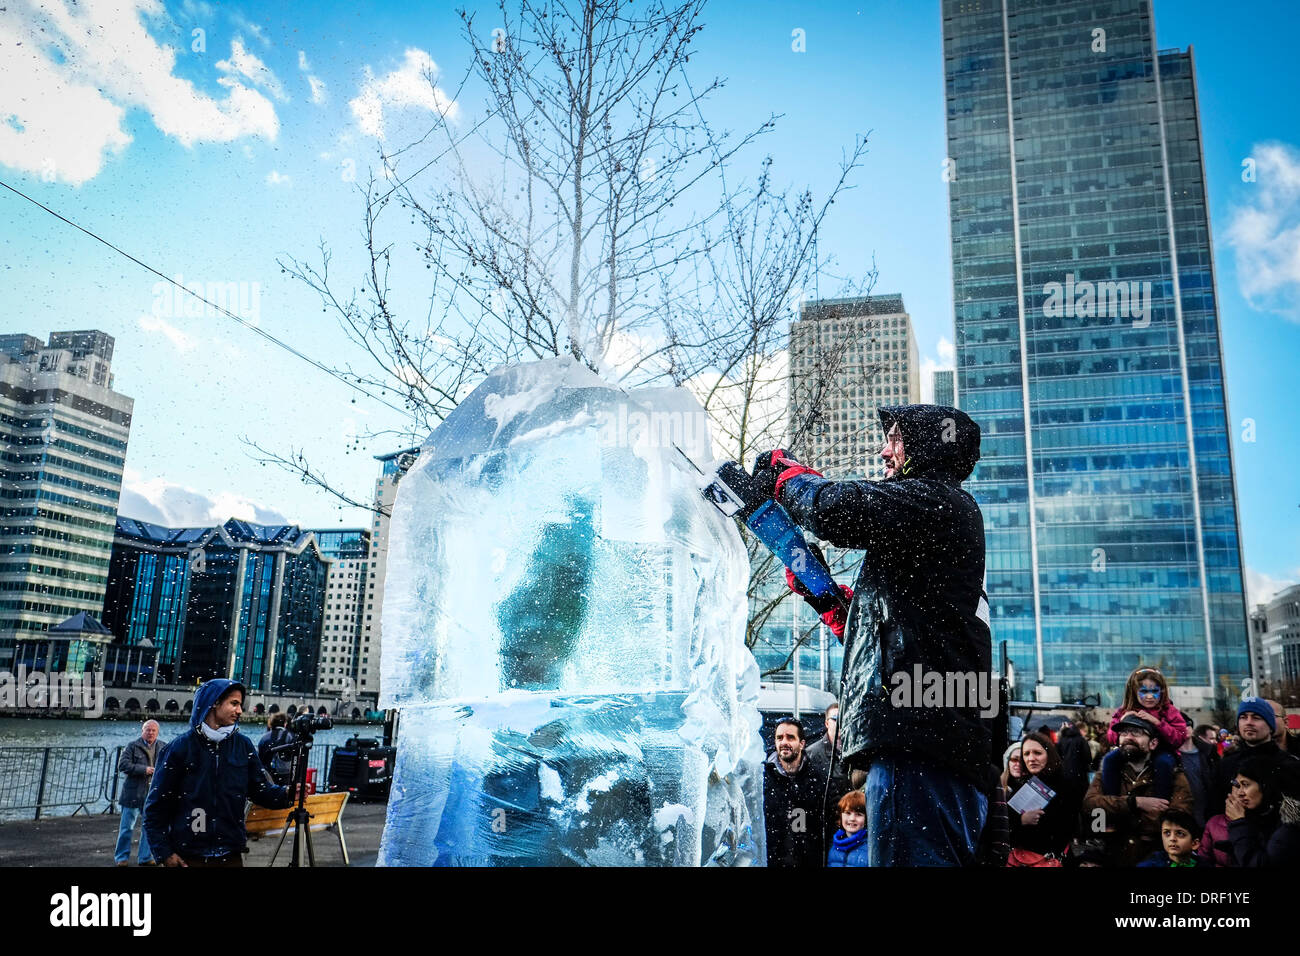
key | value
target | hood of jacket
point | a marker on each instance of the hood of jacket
(208, 695)
(939, 441)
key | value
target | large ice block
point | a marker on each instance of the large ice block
(563, 633)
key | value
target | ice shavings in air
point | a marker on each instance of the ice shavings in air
(563, 632)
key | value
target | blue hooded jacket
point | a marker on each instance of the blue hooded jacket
(196, 805)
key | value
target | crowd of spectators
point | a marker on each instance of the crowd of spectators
(1146, 789)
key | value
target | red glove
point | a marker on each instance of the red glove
(835, 617)
(772, 469)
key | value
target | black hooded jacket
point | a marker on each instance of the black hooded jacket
(919, 597)
(792, 809)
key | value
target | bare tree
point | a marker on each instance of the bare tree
(589, 213)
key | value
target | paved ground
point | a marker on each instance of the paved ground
(88, 841)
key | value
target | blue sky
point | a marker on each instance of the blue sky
(212, 164)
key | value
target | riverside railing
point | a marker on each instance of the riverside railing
(39, 779)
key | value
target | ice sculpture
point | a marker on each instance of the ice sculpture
(563, 632)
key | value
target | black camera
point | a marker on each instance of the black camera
(309, 723)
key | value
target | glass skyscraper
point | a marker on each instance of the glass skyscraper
(1083, 284)
(239, 600)
(944, 381)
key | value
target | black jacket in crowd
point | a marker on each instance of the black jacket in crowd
(1230, 762)
(1076, 757)
(1202, 781)
(918, 598)
(1264, 841)
(792, 808)
(820, 755)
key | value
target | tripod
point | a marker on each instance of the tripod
(299, 819)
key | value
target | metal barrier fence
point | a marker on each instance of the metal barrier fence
(41, 779)
(44, 778)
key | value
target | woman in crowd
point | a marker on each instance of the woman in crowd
(1012, 769)
(1041, 833)
(1263, 814)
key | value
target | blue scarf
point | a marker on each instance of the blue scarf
(847, 843)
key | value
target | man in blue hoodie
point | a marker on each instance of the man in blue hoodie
(194, 814)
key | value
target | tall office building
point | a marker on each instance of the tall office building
(1083, 284)
(393, 467)
(847, 358)
(237, 600)
(345, 607)
(63, 436)
(944, 392)
(1279, 641)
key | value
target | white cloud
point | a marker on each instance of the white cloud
(947, 359)
(151, 323)
(317, 89)
(410, 86)
(245, 64)
(276, 178)
(53, 124)
(248, 26)
(160, 501)
(1261, 587)
(315, 82)
(197, 10)
(74, 69)
(1265, 233)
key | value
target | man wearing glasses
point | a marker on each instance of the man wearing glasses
(1124, 806)
(827, 749)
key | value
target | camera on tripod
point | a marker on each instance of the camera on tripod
(309, 723)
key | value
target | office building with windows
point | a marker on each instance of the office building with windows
(847, 358)
(1089, 350)
(345, 608)
(944, 392)
(63, 437)
(393, 467)
(238, 600)
(1279, 642)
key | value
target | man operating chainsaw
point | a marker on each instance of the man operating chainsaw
(916, 634)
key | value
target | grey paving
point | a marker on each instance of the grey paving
(88, 841)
